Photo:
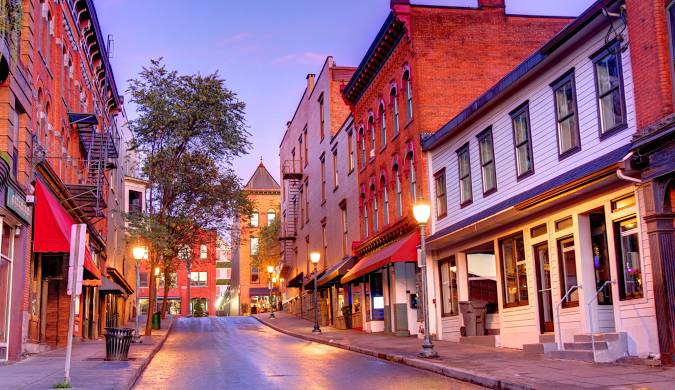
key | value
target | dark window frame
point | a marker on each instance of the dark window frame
(487, 133)
(502, 271)
(464, 149)
(524, 108)
(322, 118)
(448, 260)
(561, 271)
(610, 49)
(568, 76)
(616, 225)
(440, 176)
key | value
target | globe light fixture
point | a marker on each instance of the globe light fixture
(138, 252)
(270, 269)
(315, 257)
(422, 212)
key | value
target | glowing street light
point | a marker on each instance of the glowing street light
(422, 212)
(270, 271)
(315, 257)
(139, 253)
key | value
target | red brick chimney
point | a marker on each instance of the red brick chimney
(394, 3)
(310, 83)
(491, 4)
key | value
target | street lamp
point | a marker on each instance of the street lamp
(422, 211)
(315, 257)
(139, 254)
(270, 270)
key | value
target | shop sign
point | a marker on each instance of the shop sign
(17, 203)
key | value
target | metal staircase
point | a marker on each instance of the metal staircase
(292, 177)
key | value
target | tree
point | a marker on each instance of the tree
(269, 249)
(188, 131)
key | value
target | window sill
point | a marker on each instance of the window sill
(466, 203)
(439, 217)
(525, 175)
(449, 315)
(382, 149)
(405, 127)
(395, 136)
(562, 156)
(516, 305)
(612, 131)
(335, 188)
(350, 171)
(323, 202)
(489, 192)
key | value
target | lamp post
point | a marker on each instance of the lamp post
(315, 257)
(139, 254)
(270, 271)
(422, 211)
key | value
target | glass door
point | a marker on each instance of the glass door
(543, 270)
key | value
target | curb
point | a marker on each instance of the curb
(450, 372)
(130, 384)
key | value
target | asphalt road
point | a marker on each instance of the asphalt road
(241, 353)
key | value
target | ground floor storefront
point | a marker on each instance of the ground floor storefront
(574, 265)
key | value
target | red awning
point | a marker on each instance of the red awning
(403, 250)
(51, 230)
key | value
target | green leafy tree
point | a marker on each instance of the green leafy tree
(188, 131)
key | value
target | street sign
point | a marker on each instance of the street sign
(76, 259)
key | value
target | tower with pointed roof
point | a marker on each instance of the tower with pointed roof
(250, 289)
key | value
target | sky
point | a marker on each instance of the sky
(263, 49)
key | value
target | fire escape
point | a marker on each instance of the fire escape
(100, 152)
(292, 177)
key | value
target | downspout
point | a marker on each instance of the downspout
(622, 176)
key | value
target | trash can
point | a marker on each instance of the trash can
(156, 320)
(347, 314)
(117, 342)
(473, 314)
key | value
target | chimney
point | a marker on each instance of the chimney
(393, 3)
(491, 4)
(310, 82)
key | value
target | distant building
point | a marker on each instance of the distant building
(250, 282)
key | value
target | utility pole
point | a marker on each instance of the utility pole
(75, 270)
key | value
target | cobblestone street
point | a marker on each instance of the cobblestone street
(241, 353)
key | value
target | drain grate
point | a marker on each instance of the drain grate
(100, 359)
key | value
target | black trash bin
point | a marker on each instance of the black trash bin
(347, 314)
(156, 320)
(117, 342)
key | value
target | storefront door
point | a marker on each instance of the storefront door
(543, 269)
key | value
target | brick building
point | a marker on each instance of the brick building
(424, 66)
(250, 289)
(318, 201)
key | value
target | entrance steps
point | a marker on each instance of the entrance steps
(609, 347)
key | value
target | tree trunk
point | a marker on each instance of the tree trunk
(167, 286)
(152, 298)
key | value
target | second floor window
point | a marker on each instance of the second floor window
(350, 147)
(345, 229)
(408, 94)
(565, 97)
(254, 246)
(371, 127)
(254, 218)
(487, 161)
(383, 125)
(441, 194)
(255, 274)
(363, 148)
(271, 216)
(198, 279)
(143, 279)
(413, 179)
(135, 202)
(397, 188)
(365, 216)
(394, 105)
(375, 209)
(609, 90)
(203, 251)
(522, 141)
(385, 200)
(464, 170)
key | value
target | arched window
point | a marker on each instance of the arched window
(203, 251)
(363, 147)
(254, 218)
(371, 131)
(385, 200)
(413, 179)
(271, 216)
(399, 200)
(408, 93)
(365, 215)
(373, 193)
(383, 125)
(45, 128)
(394, 104)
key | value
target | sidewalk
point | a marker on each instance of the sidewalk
(88, 370)
(496, 368)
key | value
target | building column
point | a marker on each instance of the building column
(400, 287)
(583, 251)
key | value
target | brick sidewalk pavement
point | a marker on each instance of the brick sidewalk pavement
(491, 367)
(89, 370)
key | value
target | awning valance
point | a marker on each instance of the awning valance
(334, 273)
(309, 283)
(110, 287)
(295, 281)
(403, 250)
(51, 229)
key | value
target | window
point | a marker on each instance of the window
(363, 148)
(538, 230)
(564, 94)
(522, 141)
(223, 273)
(307, 201)
(383, 126)
(304, 142)
(345, 229)
(408, 94)
(173, 279)
(350, 147)
(302, 207)
(514, 271)
(609, 89)
(321, 117)
(671, 25)
(254, 246)
(413, 179)
(254, 218)
(365, 216)
(568, 271)
(622, 203)
(385, 200)
(399, 197)
(300, 148)
(487, 161)
(449, 296)
(135, 202)
(323, 178)
(394, 104)
(203, 251)
(373, 193)
(255, 274)
(441, 195)
(271, 216)
(628, 251)
(371, 131)
(464, 167)
(198, 279)
(324, 240)
(563, 224)
(335, 170)
(143, 279)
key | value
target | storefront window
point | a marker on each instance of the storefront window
(5, 288)
(568, 271)
(143, 279)
(630, 269)
(514, 271)
(448, 274)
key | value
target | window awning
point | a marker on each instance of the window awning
(309, 283)
(110, 287)
(334, 273)
(295, 281)
(51, 230)
(403, 250)
(261, 291)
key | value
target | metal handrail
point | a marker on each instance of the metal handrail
(561, 346)
(590, 313)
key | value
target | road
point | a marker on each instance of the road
(241, 353)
